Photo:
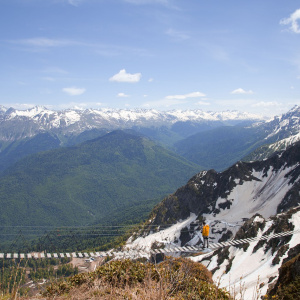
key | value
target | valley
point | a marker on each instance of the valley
(157, 184)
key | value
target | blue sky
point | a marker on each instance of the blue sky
(163, 54)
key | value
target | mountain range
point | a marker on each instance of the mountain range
(249, 199)
(221, 147)
(45, 151)
(94, 167)
(25, 132)
(40, 119)
(209, 139)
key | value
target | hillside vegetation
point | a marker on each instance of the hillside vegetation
(172, 279)
(221, 147)
(86, 183)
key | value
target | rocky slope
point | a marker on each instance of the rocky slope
(247, 200)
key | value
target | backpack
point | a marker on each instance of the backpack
(205, 230)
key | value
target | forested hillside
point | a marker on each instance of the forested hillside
(84, 184)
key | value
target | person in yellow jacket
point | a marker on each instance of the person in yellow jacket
(205, 234)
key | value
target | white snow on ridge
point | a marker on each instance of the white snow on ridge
(283, 144)
(252, 270)
(295, 220)
(30, 113)
(165, 236)
(257, 196)
(135, 115)
(71, 117)
(252, 197)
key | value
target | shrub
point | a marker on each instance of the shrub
(174, 278)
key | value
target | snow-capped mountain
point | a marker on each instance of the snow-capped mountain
(253, 268)
(16, 124)
(282, 132)
(259, 193)
(285, 125)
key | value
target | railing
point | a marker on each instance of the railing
(142, 252)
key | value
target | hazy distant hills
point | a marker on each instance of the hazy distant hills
(24, 132)
(83, 184)
(221, 147)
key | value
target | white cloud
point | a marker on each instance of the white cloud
(71, 2)
(185, 96)
(77, 105)
(48, 78)
(55, 70)
(122, 95)
(74, 2)
(177, 35)
(140, 2)
(21, 106)
(266, 104)
(150, 80)
(122, 76)
(45, 42)
(175, 100)
(164, 103)
(73, 91)
(241, 91)
(292, 21)
(202, 103)
(167, 3)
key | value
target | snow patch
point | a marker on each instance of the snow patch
(165, 236)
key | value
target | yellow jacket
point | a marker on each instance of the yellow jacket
(205, 230)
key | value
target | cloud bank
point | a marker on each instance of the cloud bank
(292, 21)
(185, 96)
(123, 95)
(73, 91)
(123, 76)
(241, 91)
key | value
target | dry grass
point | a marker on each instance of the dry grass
(175, 278)
(149, 290)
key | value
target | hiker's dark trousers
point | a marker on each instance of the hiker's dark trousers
(205, 241)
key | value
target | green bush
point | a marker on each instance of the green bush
(179, 278)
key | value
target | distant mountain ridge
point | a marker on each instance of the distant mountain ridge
(221, 147)
(25, 132)
(210, 139)
(41, 119)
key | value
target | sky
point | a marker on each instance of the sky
(152, 54)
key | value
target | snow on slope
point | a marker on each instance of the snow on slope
(164, 237)
(253, 188)
(288, 122)
(251, 271)
(261, 195)
(284, 143)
